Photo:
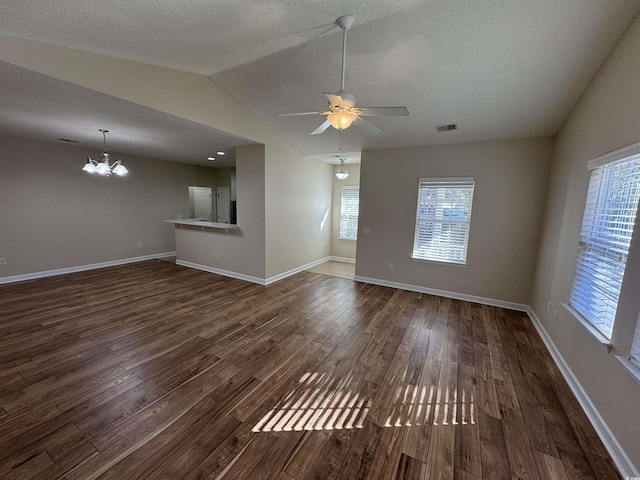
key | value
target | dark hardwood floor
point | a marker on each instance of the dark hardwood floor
(152, 370)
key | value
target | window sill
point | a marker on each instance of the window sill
(347, 239)
(595, 333)
(631, 367)
(440, 262)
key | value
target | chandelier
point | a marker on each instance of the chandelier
(103, 167)
(342, 173)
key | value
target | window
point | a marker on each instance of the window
(607, 226)
(442, 219)
(349, 205)
(635, 346)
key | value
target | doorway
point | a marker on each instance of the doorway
(223, 205)
(202, 203)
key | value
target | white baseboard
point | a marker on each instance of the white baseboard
(249, 278)
(219, 271)
(299, 269)
(82, 268)
(618, 455)
(443, 293)
(342, 259)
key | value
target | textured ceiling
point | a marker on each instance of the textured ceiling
(499, 68)
(41, 107)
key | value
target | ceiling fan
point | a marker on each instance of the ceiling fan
(342, 105)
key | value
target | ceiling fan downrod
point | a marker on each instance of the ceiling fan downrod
(344, 23)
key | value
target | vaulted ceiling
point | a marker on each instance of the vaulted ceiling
(498, 68)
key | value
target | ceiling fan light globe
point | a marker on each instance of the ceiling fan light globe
(341, 120)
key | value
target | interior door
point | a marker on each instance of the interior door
(202, 203)
(223, 205)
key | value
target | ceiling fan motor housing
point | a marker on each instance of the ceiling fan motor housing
(345, 22)
(348, 100)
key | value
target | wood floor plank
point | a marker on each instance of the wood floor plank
(440, 459)
(410, 469)
(56, 444)
(303, 459)
(272, 464)
(494, 452)
(467, 431)
(152, 370)
(549, 467)
(200, 445)
(359, 460)
(521, 460)
(31, 468)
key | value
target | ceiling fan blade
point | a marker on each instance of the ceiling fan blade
(366, 127)
(378, 111)
(333, 98)
(297, 114)
(326, 124)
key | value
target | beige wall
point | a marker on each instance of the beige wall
(342, 248)
(606, 119)
(297, 189)
(510, 186)
(242, 251)
(53, 215)
(298, 209)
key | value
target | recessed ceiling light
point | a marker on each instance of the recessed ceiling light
(211, 159)
(220, 153)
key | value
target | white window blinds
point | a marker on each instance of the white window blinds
(349, 205)
(442, 219)
(607, 227)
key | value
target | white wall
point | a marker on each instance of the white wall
(342, 248)
(53, 215)
(510, 186)
(606, 118)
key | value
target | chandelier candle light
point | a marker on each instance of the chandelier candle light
(103, 167)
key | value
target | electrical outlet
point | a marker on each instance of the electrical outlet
(139, 245)
(390, 266)
(3, 261)
(309, 251)
(215, 254)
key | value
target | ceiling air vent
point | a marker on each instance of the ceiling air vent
(67, 140)
(447, 128)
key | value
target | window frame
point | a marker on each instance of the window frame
(602, 257)
(349, 217)
(439, 221)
